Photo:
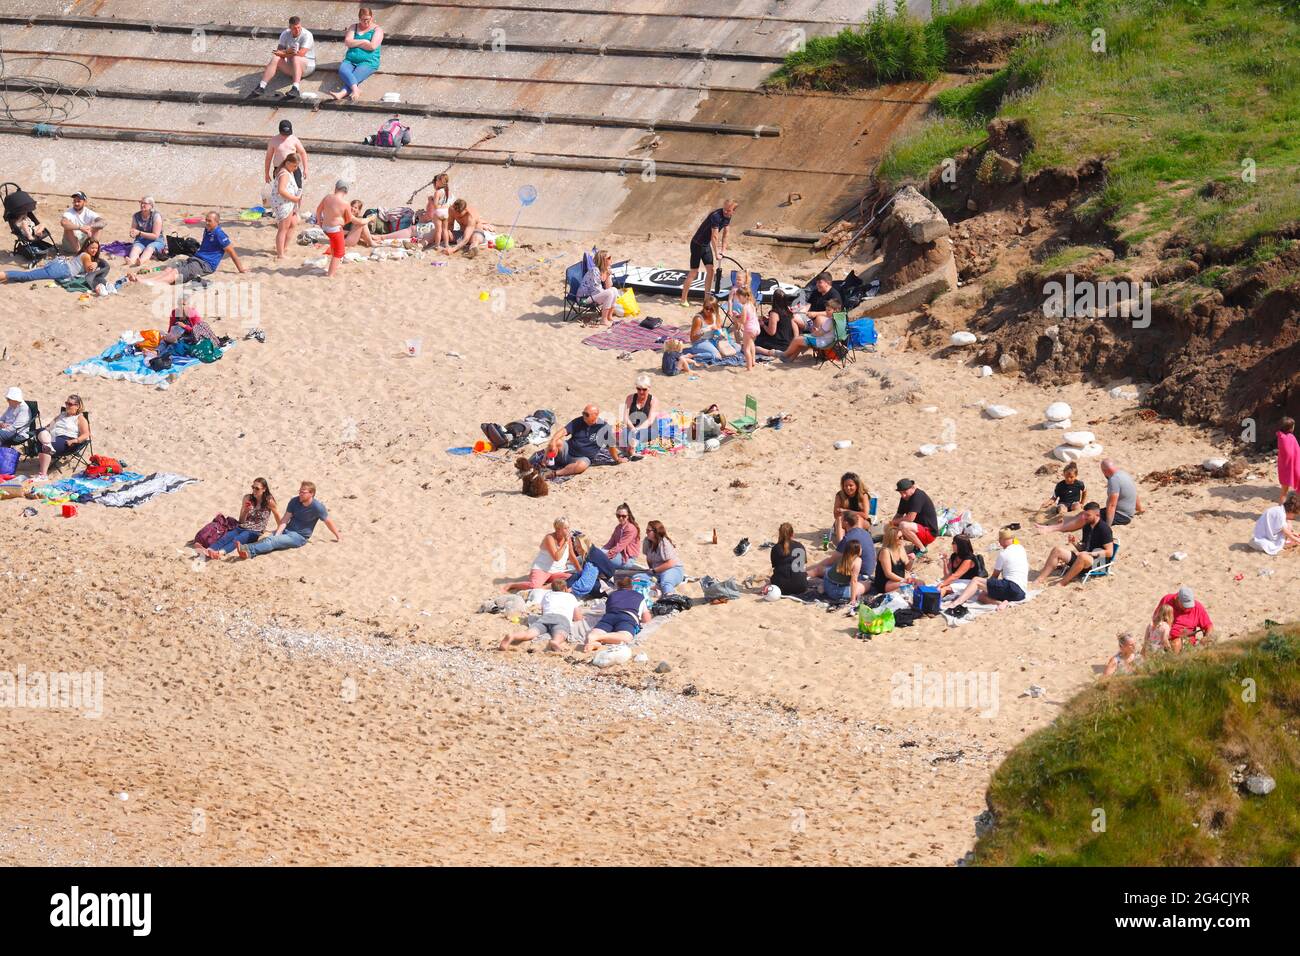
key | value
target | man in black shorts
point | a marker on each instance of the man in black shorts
(1097, 547)
(707, 245)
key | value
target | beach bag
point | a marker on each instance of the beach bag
(627, 302)
(392, 134)
(399, 217)
(8, 460)
(181, 246)
(101, 466)
(906, 617)
(213, 530)
(670, 603)
(925, 600)
(205, 351)
(875, 622)
(862, 332)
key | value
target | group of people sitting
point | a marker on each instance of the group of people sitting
(66, 432)
(575, 570)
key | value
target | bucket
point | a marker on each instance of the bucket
(482, 446)
(413, 347)
(69, 511)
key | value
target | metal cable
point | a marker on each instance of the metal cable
(40, 100)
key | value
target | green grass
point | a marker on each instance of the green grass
(1068, 256)
(1155, 751)
(1186, 91)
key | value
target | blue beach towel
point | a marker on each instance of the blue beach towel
(126, 363)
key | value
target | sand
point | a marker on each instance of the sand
(344, 703)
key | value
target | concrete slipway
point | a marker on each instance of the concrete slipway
(512, 65)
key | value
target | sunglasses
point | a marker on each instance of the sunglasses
(643, 389)
(619, 514)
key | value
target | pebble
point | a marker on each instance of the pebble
(126, 796)
(663, 667)
(1260, 784)
(1057, 412)
(641, 658)
(1179, 556)
(1214, 464)
(999, 411)
(986, 371)
(963, 338)
(1036, 690)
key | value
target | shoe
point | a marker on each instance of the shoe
(254, 93)
(742, 548)
(291, 94)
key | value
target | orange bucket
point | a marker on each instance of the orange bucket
(481, 446)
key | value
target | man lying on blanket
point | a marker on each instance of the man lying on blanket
(1010, 576)
(584, 442)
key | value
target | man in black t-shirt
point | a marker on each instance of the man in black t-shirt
(707, 246)
(915, 518)
(1096, 547)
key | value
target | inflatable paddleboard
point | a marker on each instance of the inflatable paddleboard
(660, 281)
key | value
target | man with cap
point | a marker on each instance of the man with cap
(80, 223)
(294, 56)
(1191, 620)
(916, 518)
(279, 148)
(16, 419)
(334, 216)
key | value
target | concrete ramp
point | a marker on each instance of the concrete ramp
(630, 120)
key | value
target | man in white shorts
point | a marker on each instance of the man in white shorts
(294, 56)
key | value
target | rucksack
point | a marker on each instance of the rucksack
(101, 466)
(213, 530)
(399, 217)
(181, 246)
(392, 134)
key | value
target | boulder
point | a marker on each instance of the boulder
(963, 338)
(1079, 439)
(1070, 453)
(1057, 412)
(1260, 784)
(920, 217)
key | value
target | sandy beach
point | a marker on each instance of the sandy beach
(345, 703)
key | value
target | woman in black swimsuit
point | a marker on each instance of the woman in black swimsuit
(640, 412)
(892, 563)
(779, 328)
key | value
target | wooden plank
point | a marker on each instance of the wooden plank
(800, 237)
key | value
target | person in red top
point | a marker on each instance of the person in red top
(624, 545)
(1191, 620)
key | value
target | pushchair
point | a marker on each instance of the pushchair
(33, 242)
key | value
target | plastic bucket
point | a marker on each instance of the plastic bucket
(69, 511)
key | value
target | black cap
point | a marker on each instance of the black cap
(286, 128)
(904, 484)
(78, 195)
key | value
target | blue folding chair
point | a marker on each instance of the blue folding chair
(576, 307)
(1102, 570)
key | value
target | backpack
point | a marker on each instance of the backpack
(925, 600)
(670, 603)
(213, 530)
(981, 570)
(392, 134)
(205, 351)
(101, 466)
(181, 246)
(399, 217)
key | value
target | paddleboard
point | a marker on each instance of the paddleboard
(660, 281)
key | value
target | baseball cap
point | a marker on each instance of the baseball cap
(286, 128)
(1186, 599)
(341, 184)
(14, 394)
(904, 484)
(78, 195)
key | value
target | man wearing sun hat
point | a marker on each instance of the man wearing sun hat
(16, 419)
(1191, 620)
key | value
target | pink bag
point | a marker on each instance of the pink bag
(214, 529)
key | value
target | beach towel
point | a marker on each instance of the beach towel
(79, 488)
(631, 337)
(125, 363)
(119, 249)
(1288, 460)
(135, 493)
(976, 611)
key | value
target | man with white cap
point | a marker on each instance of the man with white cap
(16, 419)
(1191, 620)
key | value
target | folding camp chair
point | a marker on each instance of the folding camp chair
(1102, 570)
(78, 453)
(748, 422)
(575, 307)
(840, 352)
(21, 441)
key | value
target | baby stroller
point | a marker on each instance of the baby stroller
(33, 240)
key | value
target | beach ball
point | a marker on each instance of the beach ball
(712, 444)
(772, 593)
(504, 243)
(483, 296)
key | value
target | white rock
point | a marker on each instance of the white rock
(1057, 412)
(927, 450)
(1070, 453)
(1214, 464)
(985, 371)
(124, 796)
(948, 446)
(1079, 439)
(641, 658)
(1260, 784)
(1179, 556)
(963, 338)
(999, 411)
(930, 409)
(1126, 392)
(609, 656)
(843, 443)
(1067, 424)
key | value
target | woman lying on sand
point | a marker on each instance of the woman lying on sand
(625, 613)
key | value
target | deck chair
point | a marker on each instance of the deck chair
(21, 442)
(748, 422)
(840, 352)
(77, 453)
(1102, 570)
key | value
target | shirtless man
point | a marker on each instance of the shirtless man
(334, 215)
(473, 231)
(278, 149)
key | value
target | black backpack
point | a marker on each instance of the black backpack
(181, 246)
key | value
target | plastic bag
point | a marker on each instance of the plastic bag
(627, 302)
(875, 622)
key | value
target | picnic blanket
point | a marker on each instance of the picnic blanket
(142, 490)
(126, 363)
(976, 611)
(631, 337)
(80, 488)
